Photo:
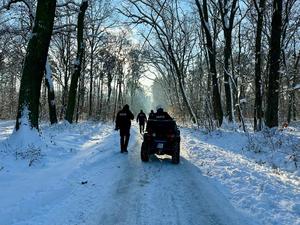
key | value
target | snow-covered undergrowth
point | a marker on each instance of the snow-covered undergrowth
(26, 143)
(54, 184)
(258, 172)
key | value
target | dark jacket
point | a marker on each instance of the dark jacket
(123, 120)
(151, 115)
(141, 118)
(161, 115)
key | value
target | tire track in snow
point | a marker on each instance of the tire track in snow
(159, 192)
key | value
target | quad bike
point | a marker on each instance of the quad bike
(161, 137)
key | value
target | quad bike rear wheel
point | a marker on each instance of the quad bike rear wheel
(176, 154)
(144, 153)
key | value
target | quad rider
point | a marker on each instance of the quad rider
(151, 115)
(162, 115)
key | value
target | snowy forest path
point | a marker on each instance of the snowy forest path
(87, 181)
(159, 192)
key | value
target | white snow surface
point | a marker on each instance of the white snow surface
(297, 86)
(78, 176)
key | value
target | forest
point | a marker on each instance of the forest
(221, 147)
(208, 62)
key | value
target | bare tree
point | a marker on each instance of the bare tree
(228, 9)
(173, 34)
(97, 24)
(78, 63)
(216, 98)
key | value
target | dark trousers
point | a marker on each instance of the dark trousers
(142, 127)
(124, 139)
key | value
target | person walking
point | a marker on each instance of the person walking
(151, 115)
(141, 119)
(123, 123)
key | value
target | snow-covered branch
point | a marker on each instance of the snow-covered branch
(28, 4)
(68, 3)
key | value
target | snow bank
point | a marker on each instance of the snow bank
(54, 190)
(26, 143)
(255, 172)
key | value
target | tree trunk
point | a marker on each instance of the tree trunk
(35, 61)
(101, 97)
(216, 98)
(91, 83)
(78, 101)
(109, 80)
(120, 100)
(274, 73)
(78, 63)
(116, 82)
(293, 96)
(227, 80)
(179, 74)
(258, 81)
(290, 103)
(80, 96)
(228, 12)
(51, 94)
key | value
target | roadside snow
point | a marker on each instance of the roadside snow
(79, 177)
(58, 188)
(265, 184)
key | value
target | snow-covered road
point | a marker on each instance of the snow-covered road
(159, 192)
(92, 183)
(79, 177)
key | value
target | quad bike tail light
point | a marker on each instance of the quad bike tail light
(170, 135)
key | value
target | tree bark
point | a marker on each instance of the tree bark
(78, 63)
(109, 81)
(91, 81)
(51, 94)
(35, 61)
(227, 80)
(274, 73)
(258, 113)
(291, 93)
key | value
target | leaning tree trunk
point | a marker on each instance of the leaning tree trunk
(216, 98)
(51, 94)
(187, 103)
(274, 73)
(78, 63)
(35, 61)
(179, 74)
(227, 23)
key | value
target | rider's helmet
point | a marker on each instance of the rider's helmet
(159, 108)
